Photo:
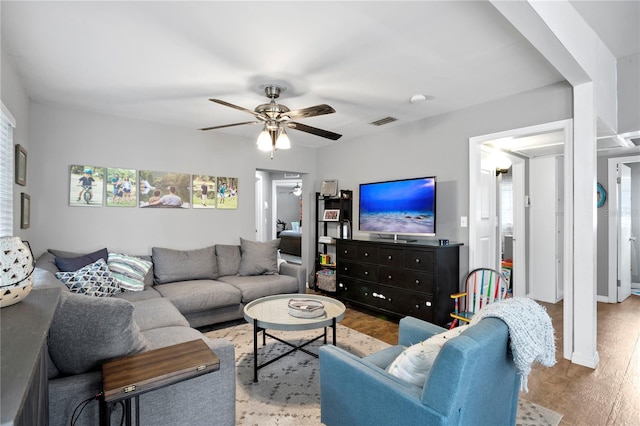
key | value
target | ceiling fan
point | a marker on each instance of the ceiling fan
(275, 117)
(296, 190)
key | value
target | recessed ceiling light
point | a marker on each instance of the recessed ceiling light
(416, 99)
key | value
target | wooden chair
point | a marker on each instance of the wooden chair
(484, 285)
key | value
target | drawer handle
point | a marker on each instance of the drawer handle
(366, 254)
(340, 285)
(366, 294)
(380, 296)
(346, 251)
(417, 306)
(390, 257)
(389, 277)
(417, 282)
(417, 260)
(366, 272)
(346, 269)
(428, 303)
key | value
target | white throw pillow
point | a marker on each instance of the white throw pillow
(129, 271)
(414, 364)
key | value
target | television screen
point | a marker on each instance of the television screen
(406, 206)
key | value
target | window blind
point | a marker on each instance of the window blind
(7, 123)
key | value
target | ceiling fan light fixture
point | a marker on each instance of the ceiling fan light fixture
(283, 141)
(264, 140)
(297, 190)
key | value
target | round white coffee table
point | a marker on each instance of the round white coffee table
(272, 312)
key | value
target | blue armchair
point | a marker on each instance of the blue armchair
(473, 381)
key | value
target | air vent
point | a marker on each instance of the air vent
(635, 141)
(383, 121)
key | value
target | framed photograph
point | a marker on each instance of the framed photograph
(227, 193)
(25, 210)
(121, 185)
(164, 189)
(203, 192)
(86, 186)
(21, 165)
(331, 215)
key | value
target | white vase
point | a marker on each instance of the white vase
(16, 270)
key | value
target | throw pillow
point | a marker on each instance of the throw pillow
(258, 258)
(87, 331)
(228, 259)
(92, 280)
(129, 271)
(414, 364)
(175, 265)
(73, 263)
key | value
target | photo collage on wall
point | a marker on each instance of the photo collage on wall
(93, 186)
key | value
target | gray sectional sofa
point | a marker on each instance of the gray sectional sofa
(182, 290)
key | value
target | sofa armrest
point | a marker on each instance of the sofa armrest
(413, 330)
(356, 392)
(298, 272)
(208, 399)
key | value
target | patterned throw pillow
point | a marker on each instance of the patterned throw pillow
(414, 364)
(129, 271)
(92, 280)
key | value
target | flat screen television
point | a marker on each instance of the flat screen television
(399, 207)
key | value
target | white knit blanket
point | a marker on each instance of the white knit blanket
(530, 332)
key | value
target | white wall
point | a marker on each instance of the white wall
(15, 98)
(60, 138)
(439, 146)
(629, 94)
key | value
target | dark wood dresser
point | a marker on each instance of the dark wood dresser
(401, 279)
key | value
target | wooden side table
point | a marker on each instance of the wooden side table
(131, 376)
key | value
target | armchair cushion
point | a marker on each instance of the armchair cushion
(414, 363)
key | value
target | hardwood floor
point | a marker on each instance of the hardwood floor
(608, 395)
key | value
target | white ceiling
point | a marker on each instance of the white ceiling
(161, 61)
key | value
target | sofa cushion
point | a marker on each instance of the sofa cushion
(136, 296)
(167, 336)
(157, 313)
(258, 258)
(414, 364)
(94, 279)
(200, 295)
(255, 287)
(228, 259)
(129, 271)
(181, 265)
(73, 263)
(87, 331)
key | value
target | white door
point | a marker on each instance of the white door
(624, 233)
(259, 210)
(485, 217)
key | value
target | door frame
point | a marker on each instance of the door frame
(612, 196)
(475, 143)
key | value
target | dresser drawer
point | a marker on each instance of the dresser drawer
(407, 279)
(422, 260)
(391, 257)
(346, 268)
(364, 271)
(367, 253)
(346, 251)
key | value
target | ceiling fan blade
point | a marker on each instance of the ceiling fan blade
(230, 125)
(309, 112)
(239, 108)
(314, 131)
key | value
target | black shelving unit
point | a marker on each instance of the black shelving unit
(327, 231)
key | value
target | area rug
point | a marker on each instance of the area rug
(288, 390)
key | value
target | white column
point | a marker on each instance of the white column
(585, 227)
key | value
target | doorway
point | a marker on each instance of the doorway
(623, 243)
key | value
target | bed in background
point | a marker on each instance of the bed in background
(290, 242)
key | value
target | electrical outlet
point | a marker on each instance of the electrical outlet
(463, 221)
